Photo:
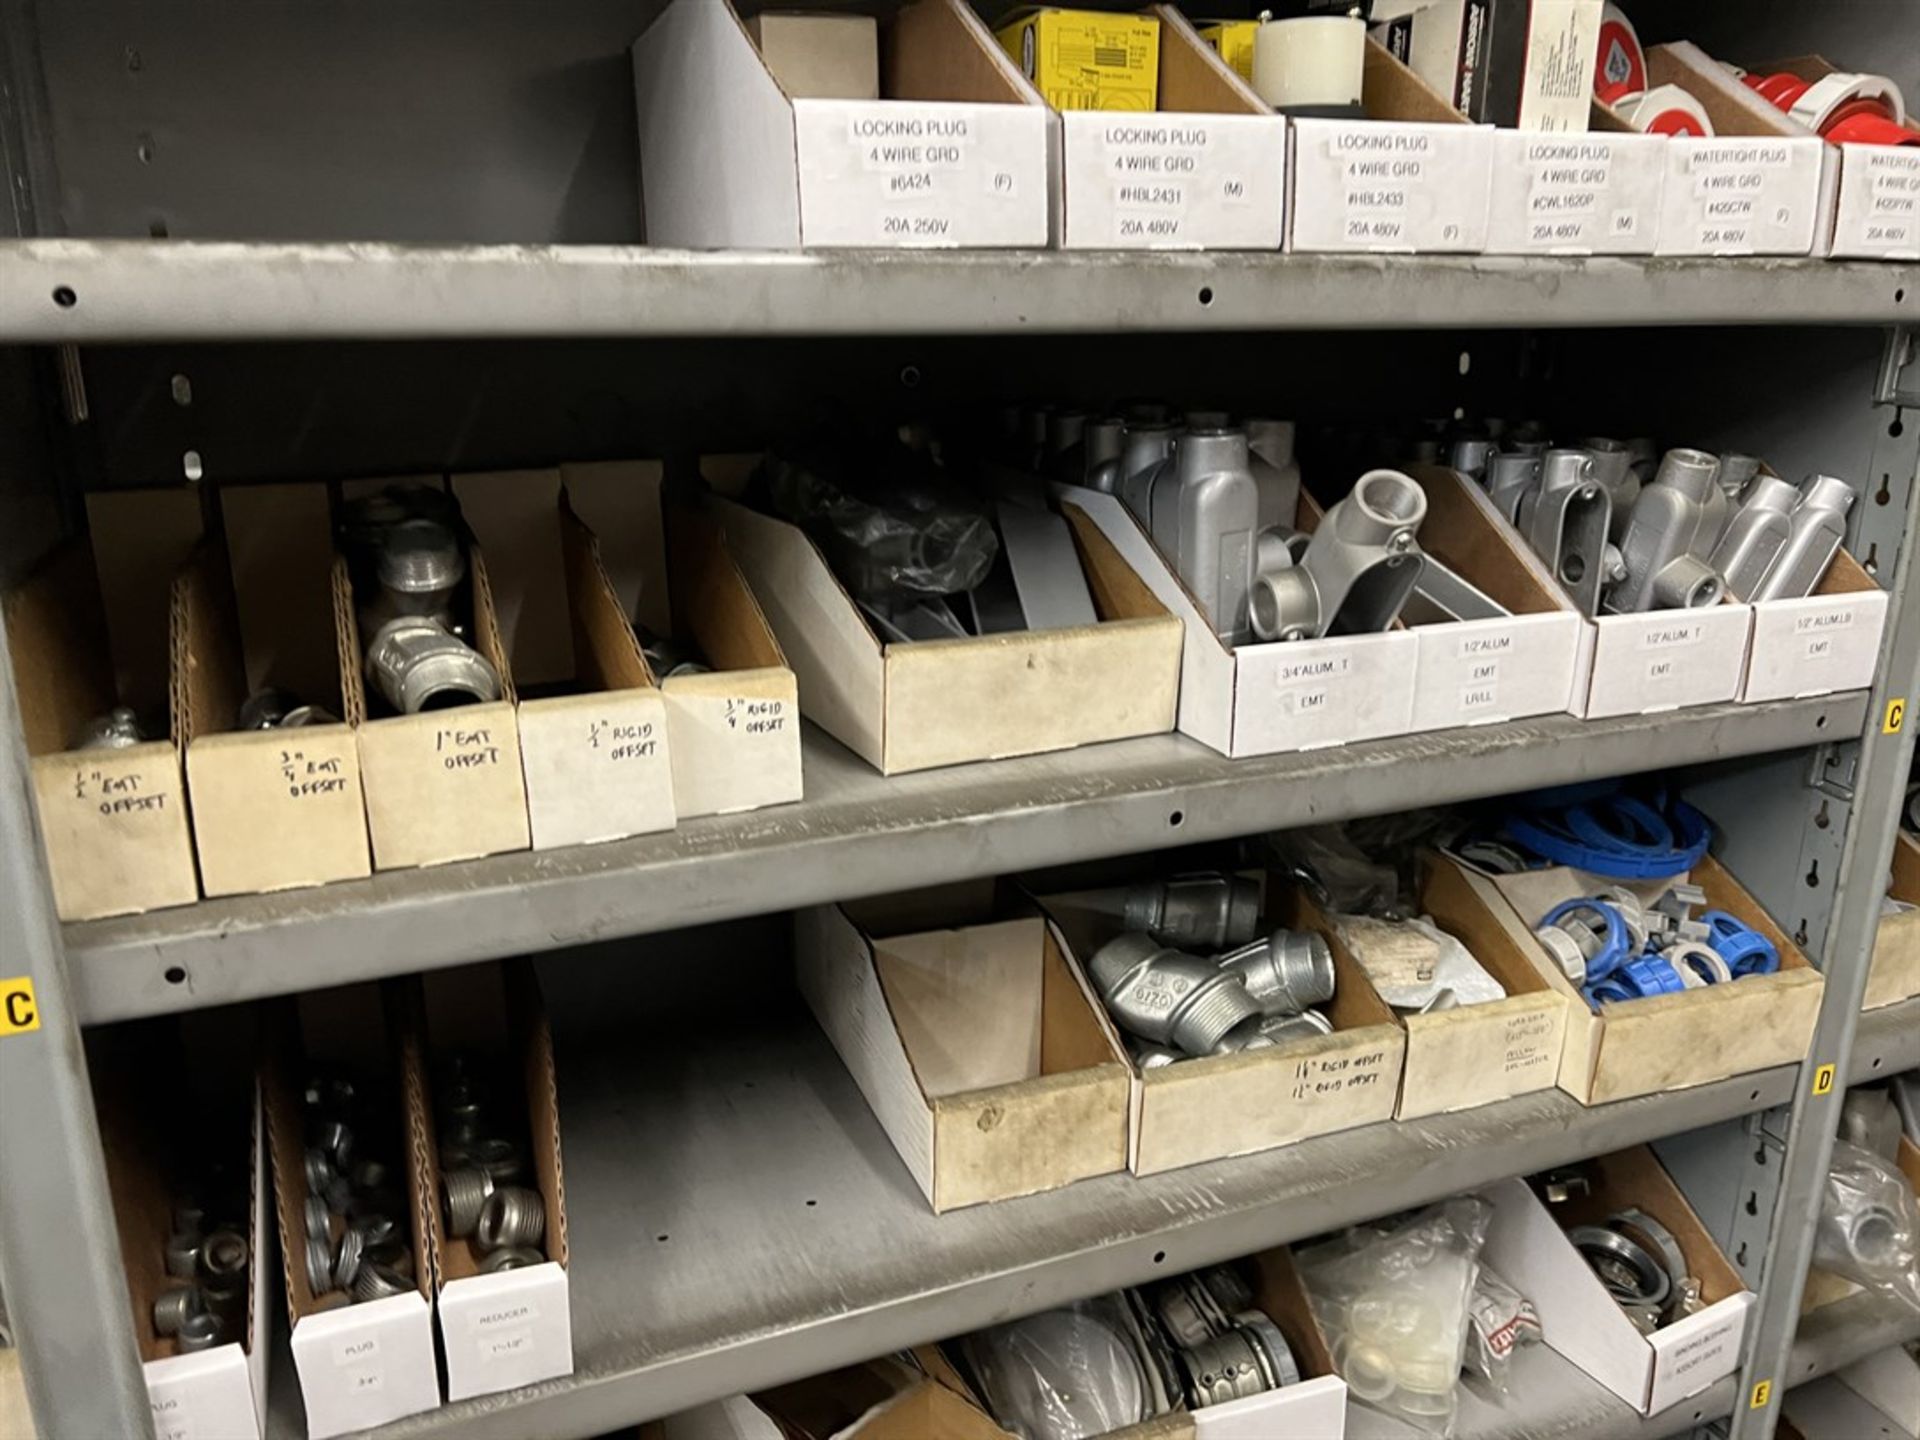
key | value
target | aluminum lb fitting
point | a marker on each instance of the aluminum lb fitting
(1163, 995)
(1207, 913)
(376, 1281)
(199, 1332)
(183, 1255)
(174, 1307)
(419, 665)
(513, 1257)
(512, 1216)
(1285, 972)
(1697, 965)
(1746, 950)
(463, 1193)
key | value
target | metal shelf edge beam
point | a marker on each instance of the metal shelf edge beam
(858, 833)
(59, 291)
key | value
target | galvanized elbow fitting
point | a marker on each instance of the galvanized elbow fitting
(1818, 524)
(1167, 997)
(419, 666)
(1195, 912)
(1285, 972)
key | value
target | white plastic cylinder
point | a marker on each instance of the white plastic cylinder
(1310, 62)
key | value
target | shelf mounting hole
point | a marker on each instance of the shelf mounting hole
(1466, 361)
(1206, 294)
(64, 297)
(175, 975)
(1819, 722)
(1896, 429)
(1754, 1096)
(191, 467)
(1177, 819)
(1159, 1257)
(812, 1203)
(910, 377)
(1899, 295)
(181, 388)
(661, 1238)
(1876, 1062)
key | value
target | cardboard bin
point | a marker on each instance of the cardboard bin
(1596, 193)
(1895, 972)
(915, 705)
(89, 630)
(1661, 1042)
(958, 151)
(500, 1331)
(979, 1048)
(282, 808)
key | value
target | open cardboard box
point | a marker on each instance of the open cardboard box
(1754, 187)
(960, 151)
(735, 731)
(219, 1393)
(1413, 176)
(1529, 1246)
(360, 1365)
(443, 784)
(1207, 172)
(500, 1331)
(915, 705)
(595, 746)
(89, 630)
(1895, 970)
(1211, 1107)
(979, 1048)
(272, 809)
(1876, 204)
(1477, 1054)
(1313, 1409)
(1597, 193)
(1661, 1042)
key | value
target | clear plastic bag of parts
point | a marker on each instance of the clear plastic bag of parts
(893, 527)
(1394, 1302)
(1500, 1320)
(1869, 1230)
(1078, 1371)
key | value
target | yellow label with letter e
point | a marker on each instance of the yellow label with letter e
(19, 1010)
(1762, 1393)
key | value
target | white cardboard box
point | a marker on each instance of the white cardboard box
(1819, 643)
(1413, 176)
(1597, 193)
(1584, 1323)
(915, 705)
(1206, 172)
(735, 731)
(1664, 659)
(1314, 1408)
(359, 1365)
(1760, 185)
(962, 152)
(979, 1049)
(498, 1332)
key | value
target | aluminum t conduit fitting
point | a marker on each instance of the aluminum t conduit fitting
(1276, 474)
(1207, 913)
(1510, 474)
(1169, 997)
(1285, 972)
(1101, 444)
(1359, 569)
(1818, 524)
(1565, 517)
(1205, 512)
(1148, 443)
(1668, 536)
(1613, 472)
(1755, 536)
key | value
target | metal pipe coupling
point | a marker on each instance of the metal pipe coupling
(376, 1281)
(1250, 1359)
(1360, 566)
(199, 1332)
(1194, 912)
(224, 1255)
(183, 1255)
(418, 665)
(1815, 530)
(513, 1257)
(1285, 972)
(513, 1215)
(174, 1308)
(1165, 996)
(1565, 517)
(463, 1193)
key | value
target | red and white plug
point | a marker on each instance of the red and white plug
(1843, 108)
(1620, 81)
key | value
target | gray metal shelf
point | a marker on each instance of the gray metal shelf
(860, 833)
(99, 290)
(738, 1218)
(1886, 1042)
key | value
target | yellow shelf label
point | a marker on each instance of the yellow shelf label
(19, 1010)
(1823, 1080)
(1762, 1393)
(1896, 716)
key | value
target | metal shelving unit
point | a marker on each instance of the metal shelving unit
(767, 1229)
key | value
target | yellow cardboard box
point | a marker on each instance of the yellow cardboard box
(1234, 40)
(1087, 60)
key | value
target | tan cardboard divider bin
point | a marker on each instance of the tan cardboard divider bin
(219, 1393)
(1819, 643)
(1895, 971)
(1581, 1321)
(1477, 1054)
(594, 747)
(500, 1331)
(1217, 1106)
(114, 822)
(282, 808)
(917, 705)
(1413, 176)
(444, 784)
(359, 1365)
(1598, 193)
(1261, 699)
(978, 1047)
(960, 151)
(734, 732)
(1208, 171)
(1876, 204)
(1759, 185)
(1661, 1042)
(885, 1399)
